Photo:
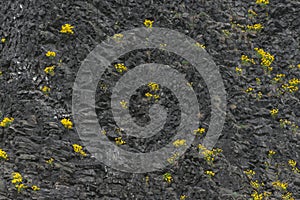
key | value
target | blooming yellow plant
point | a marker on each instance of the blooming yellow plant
(250, 173)
(239, 70)
(49, 70)
(255, 27)
(3, 155)
(262, 2)
(6, 122)
(148, 23)
(168, 177)
(67, 123)
(199, 131)
(246, 60)
(209, 155)
(67, 28)
(78, 149)
(293, 164)
(271, 153)
(274, 112)
(200, 45)
(50, 161)
(45, 90)
(178, 143)
(3, 40)
(118, 37)
(35, 188)
(124, 104)
(288, 196)
(119, 141)
(210, 173)
(153, 86)
(256, 185)
(266, 59)
(50, 54)
(120, 67)
(280, 185)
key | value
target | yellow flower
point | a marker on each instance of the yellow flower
(67, 123)
(271, 153)
(45, 90)
(255, 27)
(209, 155)
(78, 149)
(67, 28)
(153, 86)
(249, 173)
(200, 45)
(50, 161)
(35, 188)
(6, 122)
(3, 40)
(238, 70)
(280, 185)
(49, 70)
(256, 185)
(274, 112)
(178, 143)
(50, 54)
(199, 131)
(20, 187)
(249, 90)
(17, 178)
(210, 173)
(119, 141)
(183, 197)
(245, 59)
(3, 155)
(287, 196)
(148, 23)
(124, 104)
(118, 37)
(168, 177)
(262, 2)
(120, 67)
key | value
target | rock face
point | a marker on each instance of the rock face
(31, 28)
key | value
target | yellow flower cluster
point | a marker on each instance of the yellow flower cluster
(119, 141)
(252, 13)
(178, 143)
(120, 67)
(256, 185)
(288, 196)
(271, 153)
(278, 78)
(66, 123)
(45, 90)
(238, 70)
(256, 196)
(173, 158)
(183, 197)
(50, 161)
(250, 173)
(35, 188)
(17, 181)
(118, 37)
(249, 90)
(280, 185)
(148, 23)
(3, 155)
(153, 86)
(149, 96)
(124, 104)
(245, 59)
(255, 27)
(266, 57)
(199, 131)
(78, 149)
(49, 70)
(289, 88)
(3, 40)
(294, 81)
(67, 28)
(168, 177)
(200, 45)
(50, 54)
(293, 164)
(262, 2)
(274, 112)
(210, 173)
(209, 155)
(6, 122)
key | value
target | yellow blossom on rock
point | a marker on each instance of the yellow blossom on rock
(271, 153)
(148, 23)
(255, 27)
(67, 123)
(17, 178)
(3, 40)
(35, 188)
(153, 86)
(168, 177)
(199, 131)
(120, 67)
(119, 141)
(210, 173)
(6, 122)
(280, 185)
(67, 28)
(3, 155)
(78, 149)
(50, 54)
(50, 161)
(262, 2)
(238, 70)
(178, 143)
(49, 70)
(20, 187)
(250, 173)
(274, 112)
